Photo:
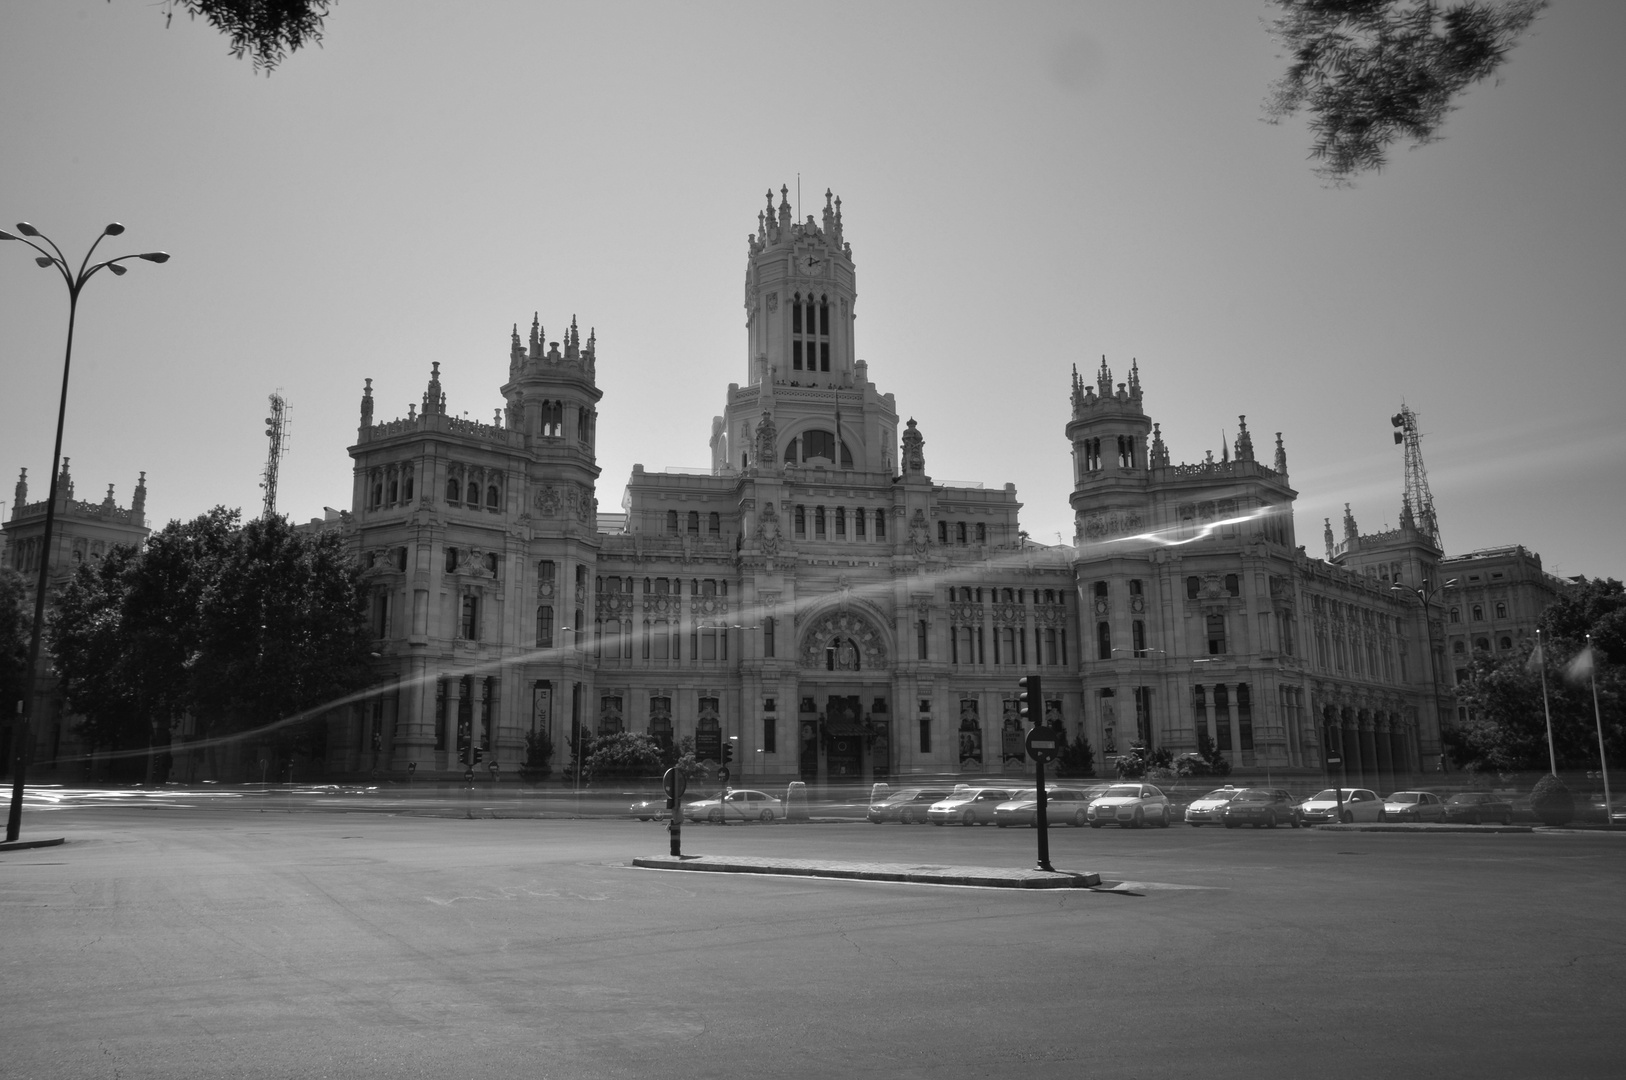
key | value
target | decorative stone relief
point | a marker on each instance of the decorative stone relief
(768, 536)
(858, 645)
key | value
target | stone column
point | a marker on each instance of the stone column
(1385, 756)
(454, 691)
(1369, 752)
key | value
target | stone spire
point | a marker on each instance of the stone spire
(64, 482)
(20, 494)
(1326, 535)
(914, 458)
(1281, 455)
(1244, 441)
(367, 404)
(1351, 533)
(1160, 453)
(1134, 379)
(434, 400)
(1408, 523)
(537, 334)
(138, 501)
(785, 212)
(1103, 379)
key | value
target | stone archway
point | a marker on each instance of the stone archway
(843, 640)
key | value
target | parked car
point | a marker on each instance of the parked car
(653, 809)
(1478, 807)
(1206, 810)
(1591, 809)
(1261, 808)
(1063, 806)
(1129, 805)
(739, 805)
(1414, 806)
(907, 806)
(1357, 804)
(973, 806)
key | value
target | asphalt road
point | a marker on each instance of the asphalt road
(212, 939)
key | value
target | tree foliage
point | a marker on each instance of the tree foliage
(265, 31)
(1374, 72)
(623, 754)
(248, 629)
(1505, 729)
(15, 627)
(1077, 758)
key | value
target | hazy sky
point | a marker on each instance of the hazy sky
(1025, 186)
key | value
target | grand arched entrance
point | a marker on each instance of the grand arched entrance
(844, 690)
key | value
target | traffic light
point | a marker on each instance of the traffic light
(1032, 699)
(728, 752)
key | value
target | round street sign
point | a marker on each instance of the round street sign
(723, 774)
(1043, 743)
(675, 784)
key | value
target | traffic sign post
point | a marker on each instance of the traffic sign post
(675, 782)
(1041, 744)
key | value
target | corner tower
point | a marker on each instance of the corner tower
(1111, 447)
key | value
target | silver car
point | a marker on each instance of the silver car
(1129, 806)
(1063, 806)
(973, 806)
(1329, 808)
(1209, 809)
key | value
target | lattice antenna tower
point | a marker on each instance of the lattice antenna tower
(276, 432)
(1418, 497)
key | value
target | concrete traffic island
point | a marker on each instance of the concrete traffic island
(987, 877)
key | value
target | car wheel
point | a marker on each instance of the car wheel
(903, 817)
(1002, 824)
(968, 818)
(1163, 822)
(1296, 821)
(1507, 819)
(1348, 818)
(1270, 821)
(1233, 824)
(1095, 824)
(715, 815)
(1475, 819)
(767, 815)
(1140, 819)
(1078, 820)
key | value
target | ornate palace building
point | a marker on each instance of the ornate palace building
(817, 607)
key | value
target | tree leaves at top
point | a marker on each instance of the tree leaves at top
(1373, 72)
(266, 31)
(1505, 730)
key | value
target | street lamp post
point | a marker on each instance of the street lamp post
(1425, 596)
(76, 283)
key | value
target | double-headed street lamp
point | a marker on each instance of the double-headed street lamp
(1425, 596)
(76, 283)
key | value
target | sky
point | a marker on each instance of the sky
(1026, 187)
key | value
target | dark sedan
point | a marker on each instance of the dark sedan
(1478, 807)
(1261, 808)
(907, 806)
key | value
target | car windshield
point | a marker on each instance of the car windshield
(1219, 795)
(1328, 795)
(1465, 799)
(900, 796)
(1252, 796)
(1405, 796)
(1025, 795)
(1122, 791)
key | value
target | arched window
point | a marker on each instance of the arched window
(395, 491)
(959, 532)
(714, 524)
(694, 522)
(1458, 648)
(491, 563)
(406, 486)
(378, 495)
(982, 533)
(493, 499)
(1479, 613)
(1233, 585)
(1501, 611)
(1506, 644)
(473, 494)
(942, 532)
(671, 523)
(1482, 644)
(1455, 615)
(454, 491)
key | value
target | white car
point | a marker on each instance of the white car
(737, 805)
(973, 806)
(1327, 808)
(1129, 806)
(1208, 810)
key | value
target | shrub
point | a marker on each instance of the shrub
(1552, 802)
(1077, 758)
(538, 757)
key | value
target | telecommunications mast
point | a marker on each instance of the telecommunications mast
(276, 430)
(1418, 498)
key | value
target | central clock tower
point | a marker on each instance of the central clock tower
(803, 375)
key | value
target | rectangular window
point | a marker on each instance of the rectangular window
(544, 627)
(1138, 629)
(801, 521)
(920, 640)
(1050, 648)
(925, 734)
(708, 645)
(767, 637)
(841, 521)
(661, 639)
(1216, 635)
(1103, 641)
(440, 714)
(796, 346)
(1244, 716)
(858, 523)
(469, 623)
(1222, 715)
(770, 735)
(880, 524)
(818, 523)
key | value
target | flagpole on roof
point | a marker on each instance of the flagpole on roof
(1597, 716)
(1541, 662)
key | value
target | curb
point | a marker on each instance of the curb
(21, 845)
(987, 877)
(1423, 827)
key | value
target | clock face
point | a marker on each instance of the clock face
(810, 264)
